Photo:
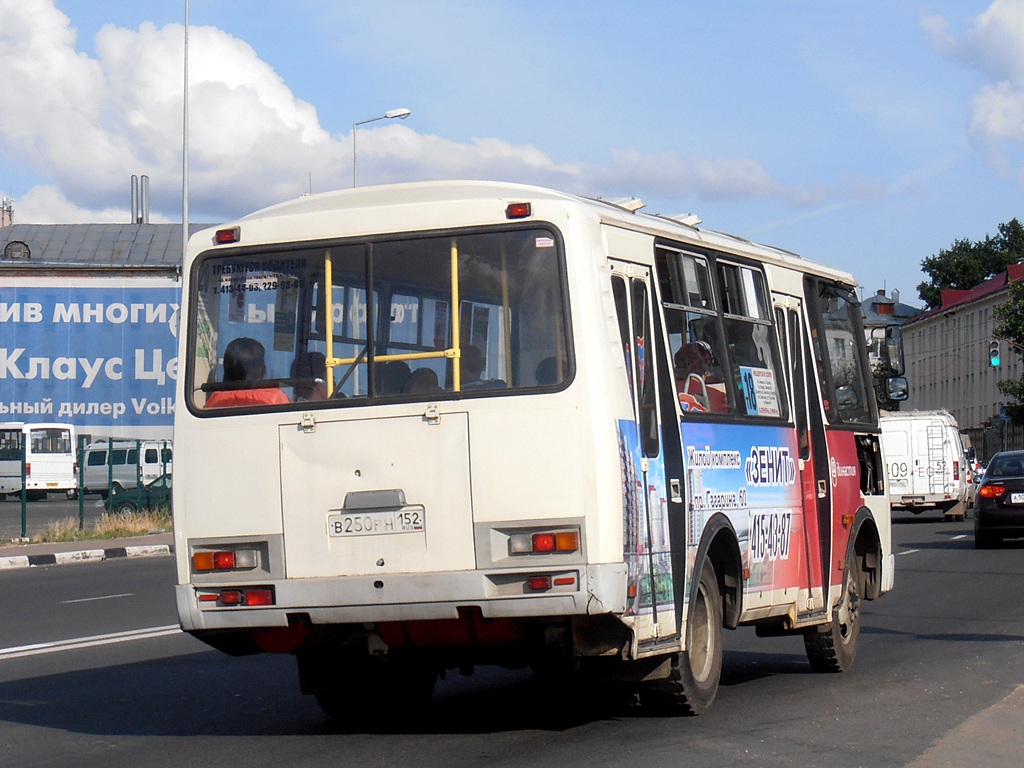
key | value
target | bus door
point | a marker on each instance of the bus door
(813, 464)
(816, 475)
(651, 464)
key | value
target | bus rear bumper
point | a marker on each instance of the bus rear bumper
(593, 590)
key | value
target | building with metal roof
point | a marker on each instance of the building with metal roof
(88, 325)
(99, 247)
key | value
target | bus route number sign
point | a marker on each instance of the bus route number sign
(376, 522)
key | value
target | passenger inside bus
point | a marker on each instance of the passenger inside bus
(472, 370)
(698, 387)
(547, 372)
(310, 368)
(245, 361)
(392, 377)
(422, 380)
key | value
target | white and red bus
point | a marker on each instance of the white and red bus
(436, 425)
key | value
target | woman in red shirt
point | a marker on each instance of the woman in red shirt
(245, 360)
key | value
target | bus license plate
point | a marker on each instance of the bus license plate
(376, 523)
(1017, 498)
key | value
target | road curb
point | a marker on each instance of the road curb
(84, 556)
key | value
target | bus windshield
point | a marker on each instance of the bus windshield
(353, 322)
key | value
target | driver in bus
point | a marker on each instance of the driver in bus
(245, 361)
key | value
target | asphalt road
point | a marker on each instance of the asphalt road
(944, 647)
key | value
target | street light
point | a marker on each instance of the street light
(401, 114)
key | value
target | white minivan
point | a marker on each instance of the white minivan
(123, 463)
(927, 463)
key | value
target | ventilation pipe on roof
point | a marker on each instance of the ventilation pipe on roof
(145, 200)
(135, 199)
(140, 200)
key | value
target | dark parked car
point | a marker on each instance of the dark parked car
(156, 493)
(999, 503)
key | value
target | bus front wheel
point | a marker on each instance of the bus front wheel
(832, 647)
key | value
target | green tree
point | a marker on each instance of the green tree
(965, 264)
(1009, 327)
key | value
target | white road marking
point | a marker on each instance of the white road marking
(908, 551)
(57, 646)
(93, 599)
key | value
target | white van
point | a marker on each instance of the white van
(124, 463)
(926, 463)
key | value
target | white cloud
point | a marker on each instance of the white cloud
(48, 205)
(88, 124)
(994, 46)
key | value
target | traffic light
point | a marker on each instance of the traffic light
(993, 353)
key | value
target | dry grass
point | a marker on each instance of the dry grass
(107, 526)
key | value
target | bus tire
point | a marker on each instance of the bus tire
(693, 682)
(832, 647)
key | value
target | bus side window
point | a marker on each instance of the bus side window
(836, 330)
(752, 344)
(689, 309)
(644, 355)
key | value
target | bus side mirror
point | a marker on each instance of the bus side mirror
(894, 350)
(896, 388)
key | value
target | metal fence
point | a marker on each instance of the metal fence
(1003, 436)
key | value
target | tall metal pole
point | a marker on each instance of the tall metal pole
(184, 150)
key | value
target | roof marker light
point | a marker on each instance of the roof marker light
(518, 210)
(226, 236)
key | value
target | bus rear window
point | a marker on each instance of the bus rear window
(358, 322)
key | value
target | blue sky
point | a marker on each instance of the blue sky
(863, 134)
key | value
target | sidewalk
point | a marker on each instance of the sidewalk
(66, 552)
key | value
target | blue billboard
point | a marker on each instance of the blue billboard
(97, 353)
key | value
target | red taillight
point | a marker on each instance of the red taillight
(259, 596)
(28, 470)
(223, 561)
(543, 542)
(956, 470)
(988, 491)
(538, 583)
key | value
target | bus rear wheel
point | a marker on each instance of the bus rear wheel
(374, 694)
(693, 682)
(832, 647)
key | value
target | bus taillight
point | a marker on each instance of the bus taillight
(543, 542)
(252, 597)
(224, 560)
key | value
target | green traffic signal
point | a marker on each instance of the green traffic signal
(993, 353)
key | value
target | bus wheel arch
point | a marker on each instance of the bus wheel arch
(721, 548)
(866, 547)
